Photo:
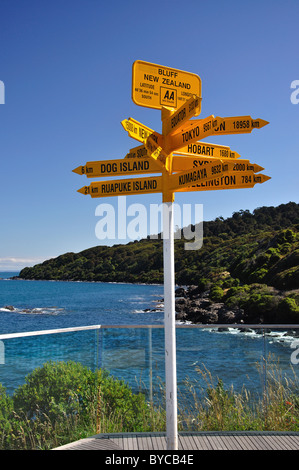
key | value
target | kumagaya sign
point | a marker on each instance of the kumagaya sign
(185, 163)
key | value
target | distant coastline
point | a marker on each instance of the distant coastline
(247, 268)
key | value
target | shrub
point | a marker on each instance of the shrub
(288, 310)
(216, 293)
(65, 401)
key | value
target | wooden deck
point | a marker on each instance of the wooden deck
(189, 441)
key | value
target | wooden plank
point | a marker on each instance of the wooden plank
(150, 443)
(160, 442)
(276, 444)
(215, 442)
(186, 443)
(257, 443)
(194, 442)
(244, 442)
(268, 441)
(144, 443)
(203, 443)
(157, 443)
(153, 443)
(287, 442)
(134, 443)
(209, 441)
(126, 442)
(231, 443)
(117, 441)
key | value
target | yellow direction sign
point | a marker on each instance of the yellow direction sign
(186, 111)
(180, 163)
(155, 86)
(187, 178)
(208, 150)
(117, 168)
(123, 187)
(137, 152)
(154, 150)
(136, 130)
(191, 132)
(229, 180)
(236, 125)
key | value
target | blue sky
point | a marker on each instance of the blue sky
(67, 70)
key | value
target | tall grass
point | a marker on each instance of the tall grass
(109, 406)
(220, 409)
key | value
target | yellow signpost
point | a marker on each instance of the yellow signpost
(181, 163)
(229, 180)
(118, 167)
(235, 125)
(196, 175)
(186, 163)
(137, 152)
(154, 150)
(191, 132)
(155, 86)
(123, 187)
(208, 150)
(136, 130)
(186, 111)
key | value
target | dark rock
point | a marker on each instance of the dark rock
(9, 307)
(193, 291)
(202, 310)
(180, 292)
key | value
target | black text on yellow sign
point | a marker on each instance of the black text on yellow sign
(208, 150)
(118, 168)
(181, 163)
(136, 130)
(189, 177)
(229, 180)
(155, 86)
(186, 111)
(123, 187)
(234, 125)
(191, 132)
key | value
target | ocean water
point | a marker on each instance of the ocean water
(136, 354)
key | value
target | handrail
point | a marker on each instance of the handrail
(179, 326)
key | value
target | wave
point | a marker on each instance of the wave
(282, 336)
(32, 311)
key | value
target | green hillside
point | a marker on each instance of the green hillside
(259, 249)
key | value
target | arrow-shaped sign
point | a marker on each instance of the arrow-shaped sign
(208, 150)
(138, 131)
(187, 178)
(186, 111)
(137, 152)
(229, 180)
(123, 187)
(191, 132)
(154, 150)
(180, 163)
(118, 167)
(235, 125)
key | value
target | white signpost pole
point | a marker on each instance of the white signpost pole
(169, 327)
(169, 313)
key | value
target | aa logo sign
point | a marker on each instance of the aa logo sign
(168, 97)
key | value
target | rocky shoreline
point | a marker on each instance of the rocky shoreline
(193, 306)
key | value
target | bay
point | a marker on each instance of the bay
(134, 354)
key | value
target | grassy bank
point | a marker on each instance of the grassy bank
(63, 402)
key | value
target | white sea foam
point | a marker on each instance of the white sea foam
(33, 311)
